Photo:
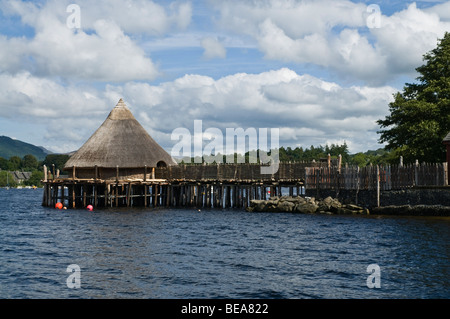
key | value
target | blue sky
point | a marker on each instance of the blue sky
(320, 71)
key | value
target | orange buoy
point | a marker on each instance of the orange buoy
(90, 208)
(59, 206)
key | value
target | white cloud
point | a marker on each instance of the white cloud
(334, 34)
(307, 110)
(406, 36)
(137, 16)
(67, 112)
(100, 50)
(213, 48)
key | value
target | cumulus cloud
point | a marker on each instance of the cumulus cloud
(213, 48)
(101, 50)
(335, 35)
(307, 110)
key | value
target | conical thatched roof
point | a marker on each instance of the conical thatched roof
(121, 141)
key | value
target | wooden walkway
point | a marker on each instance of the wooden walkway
(232, 185)
(202, 186)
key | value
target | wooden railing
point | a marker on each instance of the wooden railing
(285, 172)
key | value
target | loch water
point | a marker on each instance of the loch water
(211, 253)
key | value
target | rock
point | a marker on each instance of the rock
(286, 206)
(305, 205)
(307, 208)
(329, 204)
(353, 207)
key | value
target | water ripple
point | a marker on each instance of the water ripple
(184, 253)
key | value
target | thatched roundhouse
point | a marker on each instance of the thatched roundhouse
(120, 148)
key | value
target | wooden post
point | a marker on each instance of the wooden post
(84, 195)
(168, 195)
(145, 191)
(45, 174)
(74, 195)
(416, 173)
(117, 191)
(117, 174)
(145, 173)
(96, 173)
(221, 196)
(44, 198)
(228, 197)
(129, 194)
(62, 194)
(107, 194)
(208, 195)
(339, 163)
(446, 142)
(73, 173)
(153, 173)
(378, 186)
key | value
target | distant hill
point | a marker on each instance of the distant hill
(10, 147)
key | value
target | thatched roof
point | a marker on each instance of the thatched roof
(121, 141)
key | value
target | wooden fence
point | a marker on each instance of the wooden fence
(389, 177)
(285, 172)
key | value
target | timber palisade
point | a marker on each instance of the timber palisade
(121, 165)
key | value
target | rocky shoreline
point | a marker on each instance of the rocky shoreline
(305, 205)
(332, 206)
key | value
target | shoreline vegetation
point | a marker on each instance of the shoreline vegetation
(332, 206)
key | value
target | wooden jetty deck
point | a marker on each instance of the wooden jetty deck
(213, 186)
(229, 185)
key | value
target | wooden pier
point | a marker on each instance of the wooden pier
(228, 185)
(201, 186)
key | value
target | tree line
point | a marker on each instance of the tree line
(28, 163)
(380, 156)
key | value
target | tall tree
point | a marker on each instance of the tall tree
(29, 162)
(420, 116)
(14, 163)
(57, 159)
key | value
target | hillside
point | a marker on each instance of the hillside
(10, 147)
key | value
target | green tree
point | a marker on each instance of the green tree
(58, 159)
(4, 163)
(14, 163)
(29, 163)
(35, 178)
(6, 179)
(420, 116)
(359, 159)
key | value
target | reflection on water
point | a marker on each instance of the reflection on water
(184, 253)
